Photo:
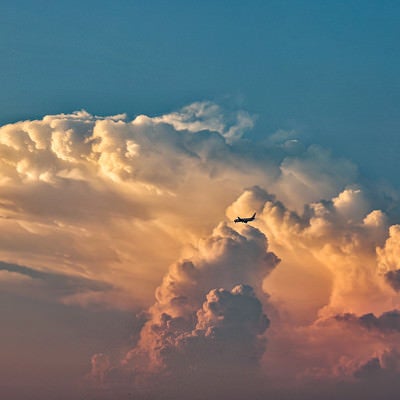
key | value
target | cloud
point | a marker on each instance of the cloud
(49, 286)
(197, 334)
(382, 371)
(69, 177)
(100, 365)
(209, 116)
(387, 322)
(225, 334)
(224, 259)
(207, 321)
(388, 258)
(348, 239)
(340, 235)
(108, 211)
(195, 307)
(393, 278)
(93, 196)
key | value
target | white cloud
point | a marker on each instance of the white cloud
(209, 116)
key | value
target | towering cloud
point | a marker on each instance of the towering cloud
(83, 194)
(340, 234)
(106, 212)
(207, 316)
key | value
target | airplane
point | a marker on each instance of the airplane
(245, 220)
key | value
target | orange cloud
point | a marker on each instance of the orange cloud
(118, 202)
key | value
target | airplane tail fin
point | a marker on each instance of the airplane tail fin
(254, 215)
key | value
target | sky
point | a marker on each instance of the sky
(133, 133)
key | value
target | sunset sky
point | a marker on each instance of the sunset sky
(132, 135)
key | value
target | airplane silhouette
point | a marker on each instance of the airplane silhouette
(245, 220)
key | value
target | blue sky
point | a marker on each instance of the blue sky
(329, 70)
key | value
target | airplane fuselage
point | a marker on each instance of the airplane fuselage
(245, 220)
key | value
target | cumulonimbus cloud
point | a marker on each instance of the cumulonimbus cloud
(83, 194)
(208, 319)
(115, 203)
